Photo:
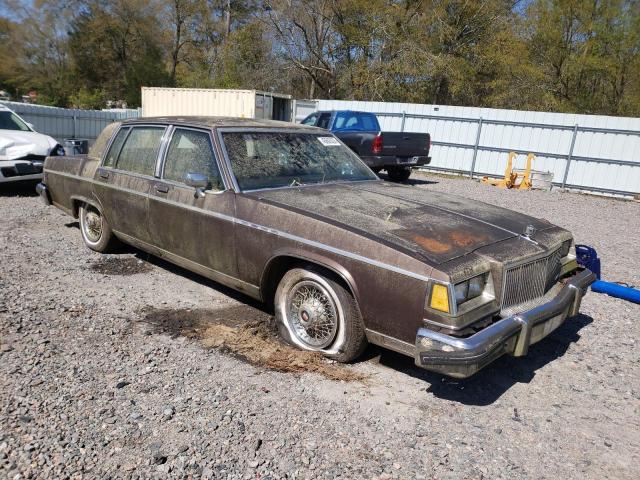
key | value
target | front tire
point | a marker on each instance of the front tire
(96, 232)
(315, 312)
(399, 174)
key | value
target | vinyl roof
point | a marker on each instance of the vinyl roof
(217, 122)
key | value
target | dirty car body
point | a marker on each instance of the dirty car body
(452, 282)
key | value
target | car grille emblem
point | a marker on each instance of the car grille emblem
(530, 231)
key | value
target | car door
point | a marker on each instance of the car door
(192, 226)
(124, 179)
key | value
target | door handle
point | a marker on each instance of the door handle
(102, 174)
(162, 188)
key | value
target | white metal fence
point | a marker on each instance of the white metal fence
(587, 152)
(62, 123)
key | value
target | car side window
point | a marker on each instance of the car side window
(323, 122)
(140, 150)
(352, 123)
(190, 151)
(310, 120)
(114, 149)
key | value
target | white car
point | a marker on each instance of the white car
(22, 150)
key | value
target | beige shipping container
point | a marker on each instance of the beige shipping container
(159, 101)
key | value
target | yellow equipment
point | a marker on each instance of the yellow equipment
(510, 179)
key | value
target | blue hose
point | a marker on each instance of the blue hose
(615, 290)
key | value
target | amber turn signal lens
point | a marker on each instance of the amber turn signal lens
(439, 298)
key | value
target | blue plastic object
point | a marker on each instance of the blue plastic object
(615, 290)
(588, 258)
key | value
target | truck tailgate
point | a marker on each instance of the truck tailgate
(403, 144)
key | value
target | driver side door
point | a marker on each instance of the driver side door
(191, 227)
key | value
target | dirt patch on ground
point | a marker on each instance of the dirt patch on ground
(121, 266)
(247, 333)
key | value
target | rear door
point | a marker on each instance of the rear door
(195, 230)
(123, 181)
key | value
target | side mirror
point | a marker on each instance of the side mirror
(198, 181)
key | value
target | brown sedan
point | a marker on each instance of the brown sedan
(287, 214)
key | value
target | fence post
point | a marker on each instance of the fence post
(404, 114)
(566, 167)
(75, 119)
(475, 149)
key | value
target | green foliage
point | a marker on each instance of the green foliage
(83, 98)
(557, 55)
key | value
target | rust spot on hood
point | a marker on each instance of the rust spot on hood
(462, 239)
(430, 244)
(445, 241)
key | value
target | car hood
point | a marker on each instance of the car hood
(438, 227)
(16, 144)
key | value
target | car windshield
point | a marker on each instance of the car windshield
(279, 159)
(10, 121)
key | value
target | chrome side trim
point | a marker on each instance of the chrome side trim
(223, 278)
(391, 343)
(272, 231)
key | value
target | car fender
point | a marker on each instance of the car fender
(317, 259)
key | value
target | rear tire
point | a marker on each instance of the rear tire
(96, 232)
(399, 174)
(315, 312)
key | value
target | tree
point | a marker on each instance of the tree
(114, 48)
(588, 51)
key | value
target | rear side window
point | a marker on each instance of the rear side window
(116, 145)
(140, 150)
(190, 151)
(323, 121)
(356, 121)
(310, 120)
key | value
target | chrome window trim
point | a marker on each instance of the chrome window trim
(131, 127)
(163, 159)
(111, 140)
(164, 146)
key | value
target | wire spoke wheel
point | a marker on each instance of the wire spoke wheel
(312, 314)
(92, 225)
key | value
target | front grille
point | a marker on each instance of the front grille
(528, 281)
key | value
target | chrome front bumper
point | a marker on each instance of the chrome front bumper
(462, 357)
(41, 189)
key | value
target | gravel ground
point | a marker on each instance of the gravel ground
(112, 367)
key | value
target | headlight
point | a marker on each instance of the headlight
(476, 286)
(471, 288)
(57, 151)
(462, 290)
(566, 248)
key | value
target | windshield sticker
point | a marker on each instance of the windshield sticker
(329, 141)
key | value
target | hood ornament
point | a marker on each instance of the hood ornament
(529, 231)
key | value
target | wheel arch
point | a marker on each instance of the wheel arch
(282, 262)
(77, 200)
